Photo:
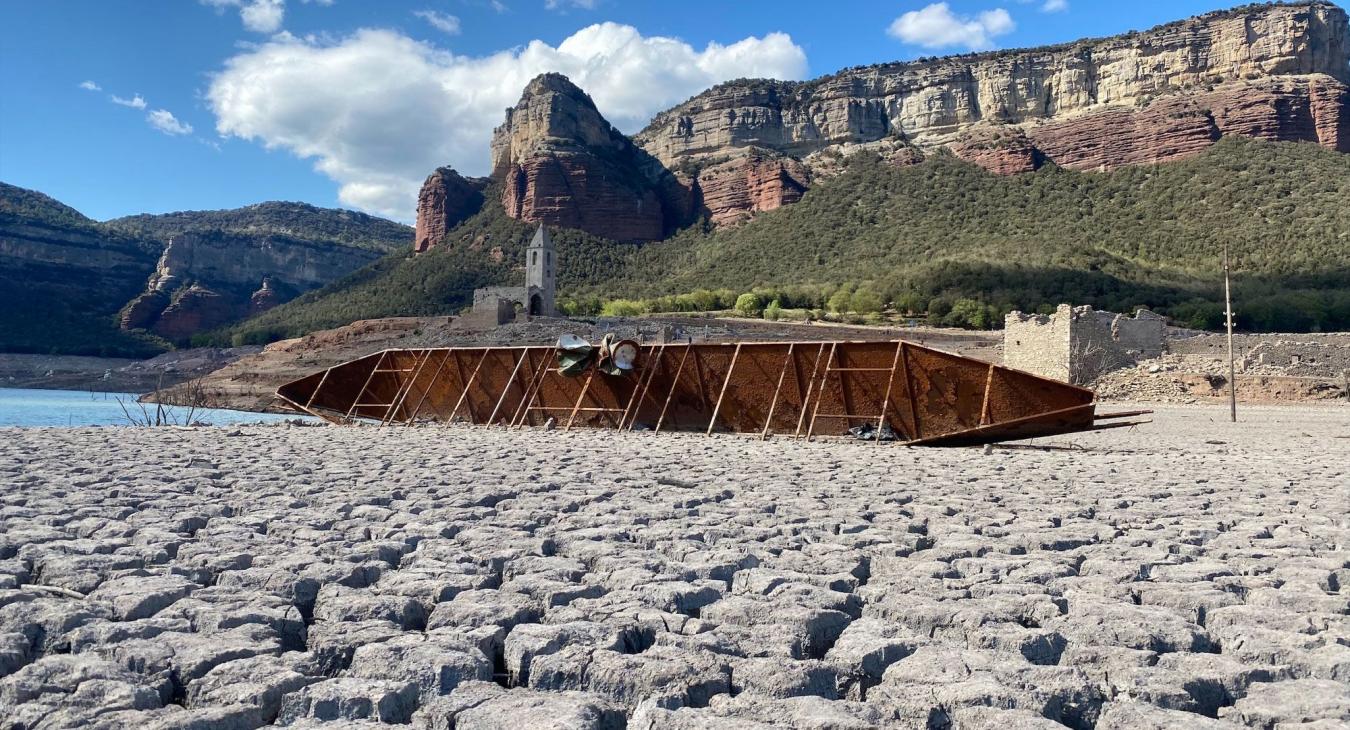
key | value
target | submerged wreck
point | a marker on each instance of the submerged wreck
(893, 391)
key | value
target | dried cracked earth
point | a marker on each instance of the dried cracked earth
(1187, 574)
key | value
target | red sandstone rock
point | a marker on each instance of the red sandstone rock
(562, 164)
(445, 201)
(264, 299)
(1171, 128)
(734, 191)
(195, 309)
(1183, 125)
(142, 311)
(579, 190)
(1002, 151)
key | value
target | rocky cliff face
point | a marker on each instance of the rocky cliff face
(562, 164)
(732, 192)
(446, 199)
(1275, 72)
(209, 278)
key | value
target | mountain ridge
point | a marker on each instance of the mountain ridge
(118, 287)
(1279, 72)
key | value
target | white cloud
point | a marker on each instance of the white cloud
(936, 26)
(1054, 6)
(260, 16)
(135, 102)
(443, 22)
(90, 86)
(263, 16)
(378, 110)
(166, 122)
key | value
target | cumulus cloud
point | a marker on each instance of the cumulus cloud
(135, 102)
(90, 86)
(936, 26)
(583, 4)
(443, 22)
(166, 122)
(1054, 6)
(259, 16)
(377, 111)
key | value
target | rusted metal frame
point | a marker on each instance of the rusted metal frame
(909, 391)
(698, 371)
(988, 387)
(641, 391)
(797, 379)
(1121, 414)
(886, 402)
(824, 380)
(646, 392)
(510, 381)
(318, 388)
(810, 386)
(580, 396)
(1005, 424)
(418, 408)
(730, 370)
(674, 383)
(537, 375)
(467, 385)
(763, 434)
(544, 372)
(843, 387)
(406, 388)
(357, 401)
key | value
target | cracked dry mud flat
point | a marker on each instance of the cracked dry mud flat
(465, 578)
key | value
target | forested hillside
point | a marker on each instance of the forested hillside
(925, 236)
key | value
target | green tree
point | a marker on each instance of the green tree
(866, 301)
(622, 308)
(773, 311)
(749, 305)
(841, 300)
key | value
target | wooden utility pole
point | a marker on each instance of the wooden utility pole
(1228, 312)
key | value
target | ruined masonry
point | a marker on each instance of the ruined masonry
(1079, 344)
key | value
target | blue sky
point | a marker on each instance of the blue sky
(125, 106)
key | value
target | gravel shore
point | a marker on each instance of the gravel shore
(1187, 573)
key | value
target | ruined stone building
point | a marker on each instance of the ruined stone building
(1079, 344)
(537, 298)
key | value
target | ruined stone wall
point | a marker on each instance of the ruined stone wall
(1079, 344)
(486, 299)
(1037, 343)
(1144, 334)
(1300, 358)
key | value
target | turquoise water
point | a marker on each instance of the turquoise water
(28, 407)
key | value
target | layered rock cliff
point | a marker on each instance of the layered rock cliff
(205, 279)
(446, 199)
(1276, 72)
(562, 164)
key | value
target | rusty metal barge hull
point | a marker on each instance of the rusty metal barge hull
(796, 389)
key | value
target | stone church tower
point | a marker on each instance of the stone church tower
(541, 268)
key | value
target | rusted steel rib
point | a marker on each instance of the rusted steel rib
(925, 396)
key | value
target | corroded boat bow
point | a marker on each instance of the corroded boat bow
(801, 389)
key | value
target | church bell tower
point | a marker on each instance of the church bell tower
(541, 271)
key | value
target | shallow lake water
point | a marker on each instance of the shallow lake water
(32, 407)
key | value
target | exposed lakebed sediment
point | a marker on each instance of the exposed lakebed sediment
(1188, 573)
